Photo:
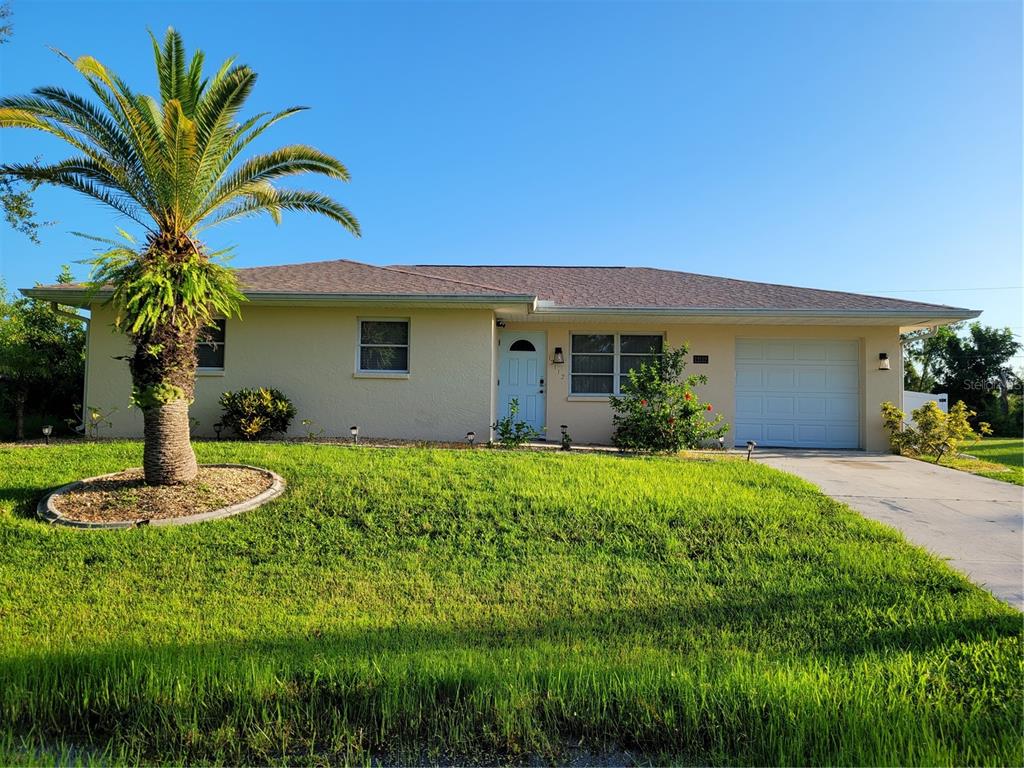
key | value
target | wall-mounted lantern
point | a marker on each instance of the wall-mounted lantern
(559, 357)
(883, 361)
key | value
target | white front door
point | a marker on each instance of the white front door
(798, 393)
(522, 357)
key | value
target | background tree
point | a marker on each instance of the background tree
(42, 359)
(169, 163)
(974, 367)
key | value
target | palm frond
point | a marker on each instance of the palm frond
(274, 201)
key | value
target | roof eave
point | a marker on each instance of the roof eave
(954, 313)
(82, 298)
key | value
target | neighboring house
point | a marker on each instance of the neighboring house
(432, 352)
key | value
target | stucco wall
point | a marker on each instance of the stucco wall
(310, 355)
(589, 420)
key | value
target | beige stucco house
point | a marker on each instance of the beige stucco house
(434, 352)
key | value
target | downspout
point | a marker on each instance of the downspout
(86, 320)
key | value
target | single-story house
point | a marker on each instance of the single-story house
(433, 352)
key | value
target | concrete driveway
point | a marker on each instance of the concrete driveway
(973, 522)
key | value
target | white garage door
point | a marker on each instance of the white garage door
(797, 393)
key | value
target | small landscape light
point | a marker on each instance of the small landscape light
(559, 356)
(217, 429)
(721, 443)
(471, 437)
(354, 431)
(47, 431)
(751, 445)
(883, 361)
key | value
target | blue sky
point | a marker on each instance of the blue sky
(870, 147)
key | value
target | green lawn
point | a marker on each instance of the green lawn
(426, 605)
(1001, 458)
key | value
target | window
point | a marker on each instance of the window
(600, 363)
(384, 346)
(522, 345)
(210, 347)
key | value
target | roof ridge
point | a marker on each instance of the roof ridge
(399, 268)
(389, 268)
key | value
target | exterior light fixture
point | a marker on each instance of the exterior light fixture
(566, 440)
(883, 361)
(751, 445)
(471, 437)
(217, 429)
(558, 357)
(47, 431)
(721, 443)
(354, 431)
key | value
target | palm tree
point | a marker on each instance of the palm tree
(169, 165)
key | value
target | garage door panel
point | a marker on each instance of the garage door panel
(744, 431)
(779, 434)
(776, 378)
(776, 407)
(812, 433)
(843, 435)
(844, 351)
(798, 393)
(844, 378)
(812, 407)
(749, 405)
(749, 377)
(843, 409)
(779, 350)
(812, 379)
(812, 352)
(749, 350)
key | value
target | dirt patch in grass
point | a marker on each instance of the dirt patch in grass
(125, 496)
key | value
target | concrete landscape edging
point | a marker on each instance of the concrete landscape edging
(47, 512)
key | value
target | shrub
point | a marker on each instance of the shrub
(934, 433)
(512, 432)
(255, 413)
(659, 412)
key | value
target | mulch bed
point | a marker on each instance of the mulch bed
(126, 496)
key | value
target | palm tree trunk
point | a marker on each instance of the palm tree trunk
(167, 456)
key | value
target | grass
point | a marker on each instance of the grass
(477, 606)
(1000, 458)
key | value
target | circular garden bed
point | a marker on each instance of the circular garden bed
(123, 500)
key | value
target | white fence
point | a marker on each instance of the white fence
(912, 400)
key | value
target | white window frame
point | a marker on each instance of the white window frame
(374, 373)
(215, 370)
(616, 354)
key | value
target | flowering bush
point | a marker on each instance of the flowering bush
(255, 413)
(658, 410)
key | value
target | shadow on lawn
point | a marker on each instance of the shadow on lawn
(23, 501)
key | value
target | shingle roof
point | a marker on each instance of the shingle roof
(624, 287)
(571, 288)
(353, 277)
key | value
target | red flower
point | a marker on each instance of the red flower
(671, 419)
(689, 396)
(643, 403)
(709, 407)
